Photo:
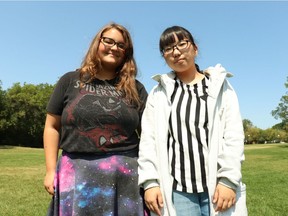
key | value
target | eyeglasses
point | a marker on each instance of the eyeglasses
(109, 42)
(183, 44)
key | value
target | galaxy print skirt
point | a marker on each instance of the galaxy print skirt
(89, 185)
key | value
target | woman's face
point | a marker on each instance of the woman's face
(111, 49)
(180, 56)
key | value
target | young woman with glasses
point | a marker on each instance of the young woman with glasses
(94, 118)
(191, 146)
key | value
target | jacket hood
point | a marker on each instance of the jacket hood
(216, 74)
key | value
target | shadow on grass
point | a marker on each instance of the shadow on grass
(6, 147)
(283, 145)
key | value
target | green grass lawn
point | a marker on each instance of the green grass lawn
(265, 172)
(21, 182)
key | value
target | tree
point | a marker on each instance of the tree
(25, 112)
(252, 135)
(281, 111)
(2, 101)
(2, 112)
(247, 124)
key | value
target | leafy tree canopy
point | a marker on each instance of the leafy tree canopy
(281, 111)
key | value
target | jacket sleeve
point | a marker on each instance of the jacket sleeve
(231, 151)
(147, 161)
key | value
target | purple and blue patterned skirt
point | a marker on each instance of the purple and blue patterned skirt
(93, 185)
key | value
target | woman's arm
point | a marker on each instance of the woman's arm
(51, 143)
(231, 152)
(148, 161)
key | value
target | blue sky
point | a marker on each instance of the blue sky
(42, 40)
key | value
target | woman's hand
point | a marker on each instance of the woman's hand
(224, 197)
(153, 199)
(49, 182)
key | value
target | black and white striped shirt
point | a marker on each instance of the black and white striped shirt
(188, 136)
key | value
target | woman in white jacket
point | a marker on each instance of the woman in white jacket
(191, 146)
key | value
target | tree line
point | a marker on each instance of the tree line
(254, 135)
(278, 133)
(23, 113)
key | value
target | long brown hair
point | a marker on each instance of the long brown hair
(126, 72)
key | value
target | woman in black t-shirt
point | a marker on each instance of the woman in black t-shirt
(94, 116)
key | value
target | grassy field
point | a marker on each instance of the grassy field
(21, 182)
(22, 170)
(265, 173)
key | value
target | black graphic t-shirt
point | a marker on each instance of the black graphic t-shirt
(95, 118)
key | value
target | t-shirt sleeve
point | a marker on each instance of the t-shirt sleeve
(56, 102)
(142, 95)
(143, 98)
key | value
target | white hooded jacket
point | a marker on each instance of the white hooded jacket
(226, 146)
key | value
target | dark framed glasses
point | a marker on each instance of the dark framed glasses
(181, 45)
(109, 42)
